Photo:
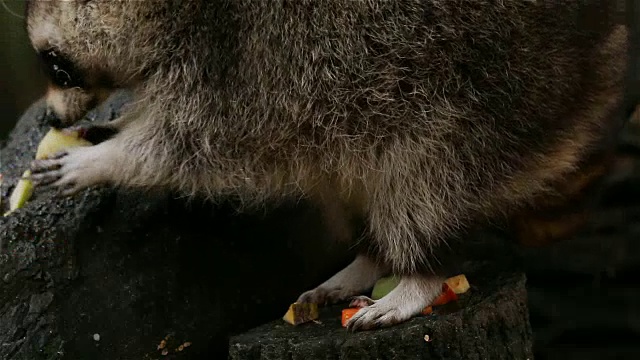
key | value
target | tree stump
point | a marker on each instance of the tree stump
(491, 321)
(109, 274)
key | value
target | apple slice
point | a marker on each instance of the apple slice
(458, 284)
(57, 140)
(300, 313)
(21, 193)
(53, 141)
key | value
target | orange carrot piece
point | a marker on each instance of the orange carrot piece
(447, 295)
(348, 314)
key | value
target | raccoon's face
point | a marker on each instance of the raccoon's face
(75, 44)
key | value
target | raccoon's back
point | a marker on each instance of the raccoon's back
(323, 79)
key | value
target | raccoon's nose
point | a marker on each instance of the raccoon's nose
(52, 120)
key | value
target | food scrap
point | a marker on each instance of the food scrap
(58, 140)
(458, 284)
(183, 346)
(384, 286)
(21, 193)
(348, 314)
(53, 142)
(446, 296)
(300, 313)
(162, 344)
(451, 288)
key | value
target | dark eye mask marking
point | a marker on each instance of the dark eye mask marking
(61, 70)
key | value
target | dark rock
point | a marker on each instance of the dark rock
(491, 321)
(130, 269)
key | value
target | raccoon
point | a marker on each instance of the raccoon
(421, 117)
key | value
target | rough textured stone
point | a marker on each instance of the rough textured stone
(129, 268)
(491, 321)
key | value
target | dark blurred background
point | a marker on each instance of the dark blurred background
(583, 294)
(21, 81)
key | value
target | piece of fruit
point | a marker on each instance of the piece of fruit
(53, 141)
(446, 296)
(300, 313)
(458, 284)
(450, 288)
(21, 193)
(348, 314)
(384, 286)
(57, 140)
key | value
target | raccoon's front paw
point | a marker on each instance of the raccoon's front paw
(412, 294)
(71, 170)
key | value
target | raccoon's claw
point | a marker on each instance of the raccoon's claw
(51, 173)
(412, 294)
(361, 301)
(70, 171)
(357, 277)
(45, 172)
(325, 296)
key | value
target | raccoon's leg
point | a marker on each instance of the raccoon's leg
(407, 226)
(354, 279)
(413, 293)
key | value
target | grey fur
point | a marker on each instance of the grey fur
(422, 116)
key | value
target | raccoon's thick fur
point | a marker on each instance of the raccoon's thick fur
(420, 116)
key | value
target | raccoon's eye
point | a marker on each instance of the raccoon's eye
(60, 70)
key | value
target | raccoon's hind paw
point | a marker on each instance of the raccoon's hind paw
(412, 294)
(325, 296)
(357, 277)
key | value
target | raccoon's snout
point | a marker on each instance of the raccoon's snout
(68, 105)
(62, 72)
